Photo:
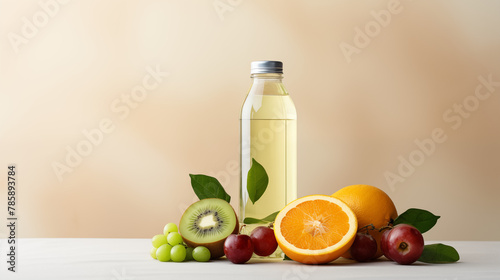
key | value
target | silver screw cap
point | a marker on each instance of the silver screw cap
(266, 66)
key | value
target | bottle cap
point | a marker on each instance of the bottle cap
(266, 66)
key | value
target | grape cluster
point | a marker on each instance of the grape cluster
(169, 246)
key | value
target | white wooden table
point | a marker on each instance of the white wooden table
(128, 259)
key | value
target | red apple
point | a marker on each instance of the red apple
(404, 244)
(383, 242)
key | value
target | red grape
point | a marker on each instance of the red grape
(238, 248)
(264, 242)
(364, 247)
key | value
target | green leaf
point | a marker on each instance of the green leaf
(439, 253)
(257, 181)
(287, 258)
(208, 187)
(423, 220)
(268, 219)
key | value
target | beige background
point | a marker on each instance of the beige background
(355, 119)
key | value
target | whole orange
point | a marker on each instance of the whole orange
(371, 205)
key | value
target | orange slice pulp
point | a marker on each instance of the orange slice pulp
(315, 229)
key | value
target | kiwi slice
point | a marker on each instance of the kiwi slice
(208, 223)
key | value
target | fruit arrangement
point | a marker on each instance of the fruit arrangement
(358, 222)
(238, 248)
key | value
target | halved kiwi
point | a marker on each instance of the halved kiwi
(208, 223)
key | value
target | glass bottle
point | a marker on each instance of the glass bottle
(268, 134)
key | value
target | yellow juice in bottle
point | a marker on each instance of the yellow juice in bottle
(269, 135)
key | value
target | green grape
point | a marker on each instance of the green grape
(174, 238)
(159, 240)
(170, 227)
(178, 253)
(189, 254)
(201, 254)
(153, 252)
(163, 253)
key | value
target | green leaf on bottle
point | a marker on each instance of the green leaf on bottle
(208, 187)
(423, 220)
(439, 253)
(268, 219)
(257, 181)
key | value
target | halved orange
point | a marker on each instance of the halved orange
(315, 229)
